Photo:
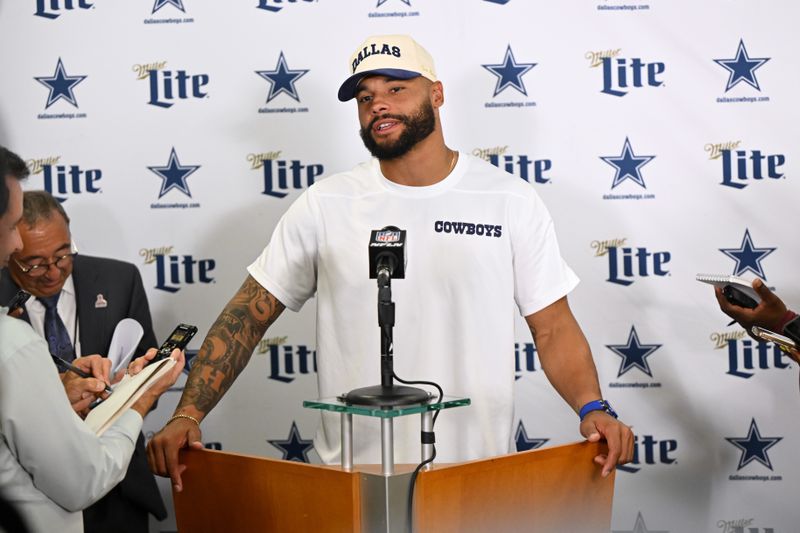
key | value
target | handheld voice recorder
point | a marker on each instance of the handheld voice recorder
(18, 301)
(179, 338)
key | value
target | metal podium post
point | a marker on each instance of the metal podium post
(384, 496)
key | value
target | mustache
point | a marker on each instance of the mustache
(400, 118)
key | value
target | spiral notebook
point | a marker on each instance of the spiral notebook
(721, 280)
(126, 392)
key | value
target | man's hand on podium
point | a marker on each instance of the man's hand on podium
(598, 425)
(181, 431)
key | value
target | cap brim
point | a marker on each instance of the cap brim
(348, 88)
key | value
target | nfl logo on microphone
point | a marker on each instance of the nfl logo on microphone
(387, 236)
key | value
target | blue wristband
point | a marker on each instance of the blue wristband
(597, 405)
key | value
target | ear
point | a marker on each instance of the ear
(437, 94)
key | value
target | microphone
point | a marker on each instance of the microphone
(387, 254)
(387, 260)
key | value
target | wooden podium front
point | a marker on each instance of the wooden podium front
(556, 489)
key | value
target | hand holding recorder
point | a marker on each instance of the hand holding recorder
(769, 313)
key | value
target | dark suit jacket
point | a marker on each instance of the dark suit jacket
(125, 508)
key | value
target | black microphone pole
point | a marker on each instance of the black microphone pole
(386, 323)
(387, 260)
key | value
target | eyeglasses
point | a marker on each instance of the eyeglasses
(35, 271)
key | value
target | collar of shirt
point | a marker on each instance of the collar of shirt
(67, 310)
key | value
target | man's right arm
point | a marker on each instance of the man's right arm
(225, 352)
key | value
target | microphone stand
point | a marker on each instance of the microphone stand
(387, 394)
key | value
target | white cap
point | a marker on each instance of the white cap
(396, 56)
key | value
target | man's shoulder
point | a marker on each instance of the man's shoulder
(15, 334)
(7, 286)
(482, 175)
(90, 269)
(357, 180)
(12, 325)
(104, 263)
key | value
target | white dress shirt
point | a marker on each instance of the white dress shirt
(51, 464)
(67, 309)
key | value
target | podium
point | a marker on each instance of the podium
(557, 489)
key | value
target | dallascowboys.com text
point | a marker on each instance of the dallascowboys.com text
(173, 206)
(623, 7)
(629, 196)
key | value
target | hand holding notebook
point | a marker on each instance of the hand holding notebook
(765, 309)
(138, 391)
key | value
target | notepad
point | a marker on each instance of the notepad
(126, 392)
(721, 280)
(126, 337)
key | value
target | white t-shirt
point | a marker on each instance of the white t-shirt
(477, 242)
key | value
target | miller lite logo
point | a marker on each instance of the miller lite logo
(273, 6)
(524, 359)
(282, 175)
(527, 168)
(174, 271)
(627, 264)
(620, 74)
(64, 180)
(51, 9)
(647, 450)
(741, 168)
(286, 362)
(742, 525)
(746, 357)
(168, 86)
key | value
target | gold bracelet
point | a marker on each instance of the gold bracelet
(175, 417)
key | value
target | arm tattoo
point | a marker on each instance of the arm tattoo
(229, 344)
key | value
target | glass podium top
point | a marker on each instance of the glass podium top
(339, 406)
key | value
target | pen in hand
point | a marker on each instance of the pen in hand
(72, 368)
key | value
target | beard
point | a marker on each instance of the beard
(417, 127)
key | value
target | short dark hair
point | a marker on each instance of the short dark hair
(10, 165)
(40, 205)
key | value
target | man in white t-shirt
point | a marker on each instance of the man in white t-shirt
(481, 247)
